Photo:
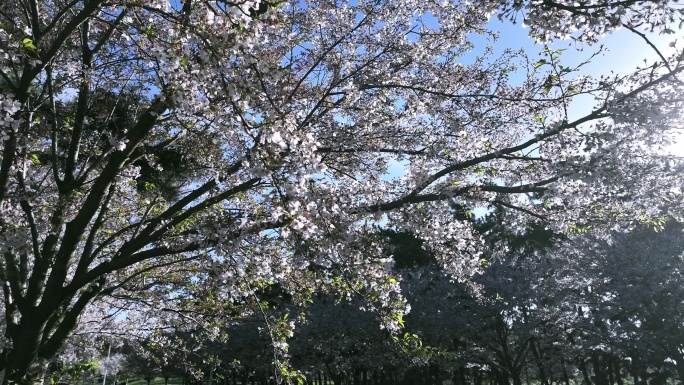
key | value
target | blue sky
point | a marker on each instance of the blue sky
(624, 51)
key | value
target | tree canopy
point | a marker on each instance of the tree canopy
(196, 157)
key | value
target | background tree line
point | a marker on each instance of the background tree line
(556, 310)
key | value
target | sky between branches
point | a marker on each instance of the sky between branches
(623, 52)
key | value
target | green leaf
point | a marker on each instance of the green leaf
(28, 44)
(150, 32)
(540, 63)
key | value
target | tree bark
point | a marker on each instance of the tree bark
(616, 369)
(23, 366)
(540, 365)
(599, 372)
(585, 373)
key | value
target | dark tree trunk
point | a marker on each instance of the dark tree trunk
(616, 370)
(639, 372)
(22, 364)
(540, 365)
(659, 378)
(609, 369)
(599, 373)
(635, 373)
(336, 378)
(478, 377)
(458, 377)
(583, 369)
(566, 379)
(434, 374)
(680, 370)
(516, 377)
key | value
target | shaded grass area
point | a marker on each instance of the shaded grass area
(156, 381)
(133, 380)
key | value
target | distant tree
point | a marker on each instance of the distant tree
(633, 294)
(343, 340)
(141, 363)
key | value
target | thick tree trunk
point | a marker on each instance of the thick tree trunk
(23, 366)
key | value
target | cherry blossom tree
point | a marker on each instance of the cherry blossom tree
(177, 157)
(628, 287)
(343, 342)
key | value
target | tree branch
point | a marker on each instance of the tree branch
(147, 237)
(74, 229)
(325, 150)
(518, 208)
(537, 187)
(50, 346)
(87, 255)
